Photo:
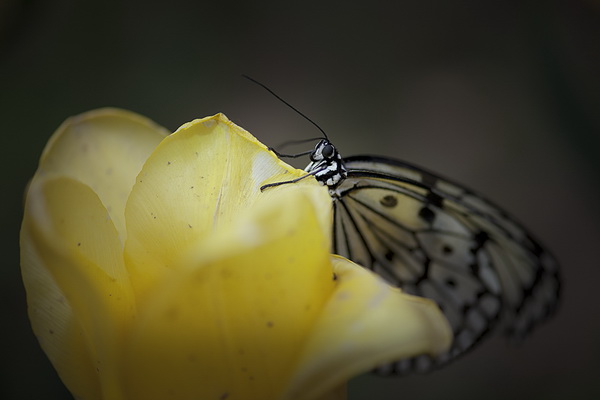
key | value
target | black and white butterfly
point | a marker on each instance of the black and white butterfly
(437, 239)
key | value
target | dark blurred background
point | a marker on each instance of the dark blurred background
(503, 96)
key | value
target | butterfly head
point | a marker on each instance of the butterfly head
(324, 151)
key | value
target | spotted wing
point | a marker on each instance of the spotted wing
(437, 239)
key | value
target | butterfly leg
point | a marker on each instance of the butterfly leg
(312, 173)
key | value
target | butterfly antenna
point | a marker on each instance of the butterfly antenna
(287, 104)
(291, 142)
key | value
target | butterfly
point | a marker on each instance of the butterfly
(435, 238)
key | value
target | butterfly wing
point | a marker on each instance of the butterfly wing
(436, 239)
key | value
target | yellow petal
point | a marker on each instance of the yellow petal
(68, 228)
(232, 322)
(367, 323)
(104, 149)
(60, 334)
(206, 174)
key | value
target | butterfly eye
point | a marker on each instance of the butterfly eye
(327, 151)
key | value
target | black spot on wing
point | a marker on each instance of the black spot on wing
(389, 201)
(479, 239)
(389, 255)
(447, 249)
(427, 214)
(434, 199)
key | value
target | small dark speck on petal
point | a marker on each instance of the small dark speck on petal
(189, 226)
(224, 396)
(334, 276)
(270, 324)
(78, 244)
(168, 162)
(172, 313)
(191, 187)
(51, 331)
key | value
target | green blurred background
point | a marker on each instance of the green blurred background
(503, 96)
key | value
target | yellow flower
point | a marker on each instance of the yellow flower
(155, 268)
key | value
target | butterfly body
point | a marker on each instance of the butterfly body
(327, 165)
(437, 239)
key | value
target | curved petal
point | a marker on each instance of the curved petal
(104, 149)
(67, 227)
(231, 323)
(58, 331)
(365, 324)
(206, 174)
